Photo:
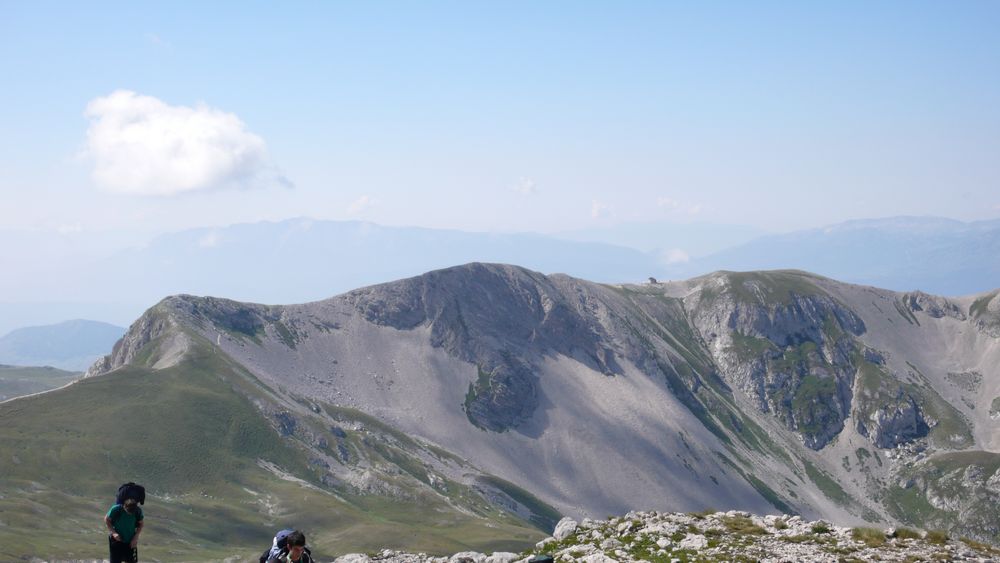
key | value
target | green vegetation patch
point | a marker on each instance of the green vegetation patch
(777, 287)
(194, 436)
(820, 527)
(19, 381)
(742, 525)
(750, 347)
(938, 537)
(814, 404)
(952, 430)
(290, 337)
(677, 386)
(980, 306)
(828, 486)
(910, 505)
(981, 547)
(761, 487)
(905, 534)
(872, 537)
(347, 414)
(203, 431)
(542, 515)
(906, 313)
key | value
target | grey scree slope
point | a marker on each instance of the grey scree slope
(577, 405)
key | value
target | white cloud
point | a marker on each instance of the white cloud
(69, 229)
(674, 256)
(140, 145)
(599, 210)
(671, 205)
(525, 186)
(668, 203)
(361, 204)
(211, 240)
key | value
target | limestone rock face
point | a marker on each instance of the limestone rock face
(153, 324)
(986, 312)
(786, 344)
(894, 423)
(932, 305)
(496, 317)
(564, 528)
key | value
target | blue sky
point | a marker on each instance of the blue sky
(505, 116)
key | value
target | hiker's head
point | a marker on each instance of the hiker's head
(296, 543)
(130, 505)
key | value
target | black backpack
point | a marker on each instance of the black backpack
(280, 540)
(131, 490)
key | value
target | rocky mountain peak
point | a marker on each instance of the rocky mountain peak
(154, 340)
(498, 317)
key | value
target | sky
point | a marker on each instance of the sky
(134, 118)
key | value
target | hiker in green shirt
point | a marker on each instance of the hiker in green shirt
(124, 522)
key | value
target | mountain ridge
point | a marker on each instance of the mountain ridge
(791, 360)
(518, 397)
(931, 254)
(276, 262)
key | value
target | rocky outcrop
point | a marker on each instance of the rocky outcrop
(893, 423)
(960, 492)
(565, 528)
(721, 536)
(786, 343)
(932, 305)
(985, 313)
(155, 324)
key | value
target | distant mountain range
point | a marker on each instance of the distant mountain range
(664, 237)
(302, 260)
(475, 405)
(305, 260)
(939, 256)
(70, 345)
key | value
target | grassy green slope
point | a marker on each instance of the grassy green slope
(17, 381)
(193, 436)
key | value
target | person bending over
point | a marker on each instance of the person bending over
(124, 523)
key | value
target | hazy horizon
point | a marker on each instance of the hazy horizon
(513, 117)
(713, 123)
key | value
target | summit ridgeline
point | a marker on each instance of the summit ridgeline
(474, 407)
